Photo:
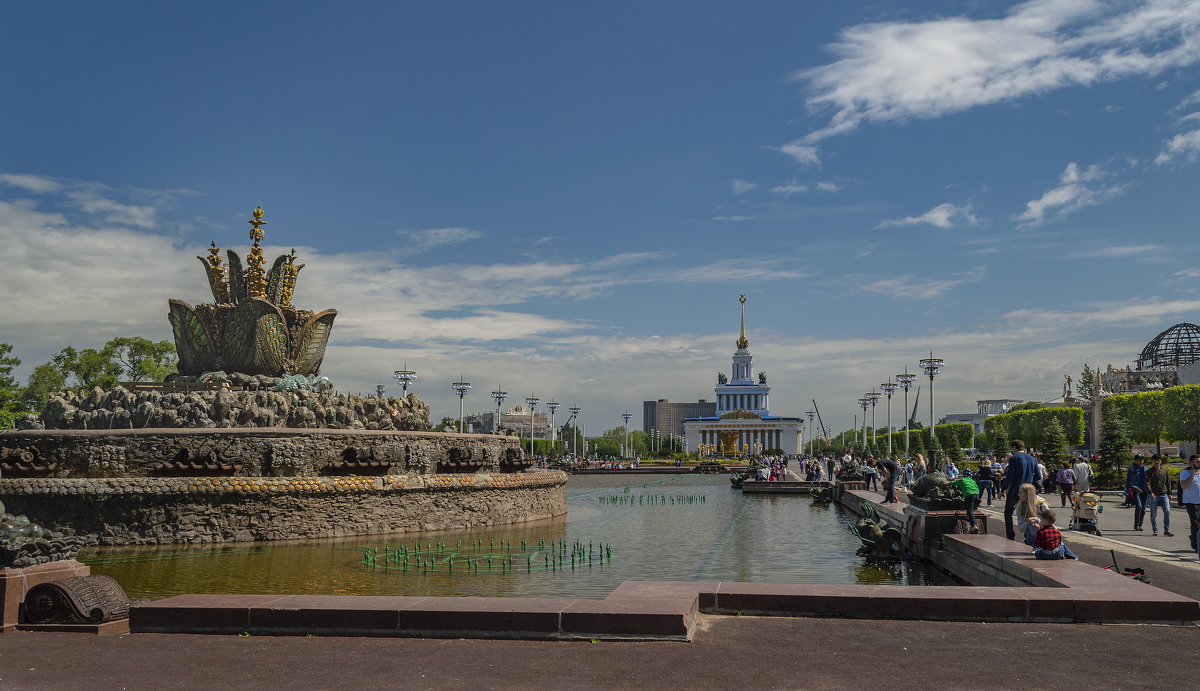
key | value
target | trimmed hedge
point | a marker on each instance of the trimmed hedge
(1031, 426)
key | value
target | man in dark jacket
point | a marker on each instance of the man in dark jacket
(889, 469)
(1135, 489)
(1022, 469)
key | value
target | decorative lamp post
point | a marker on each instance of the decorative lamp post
(906, 381)
(575, 411)
(864, 403)
(499, 396)
(628, 435)
(811, 414)
(461, 388)
(889, 388)
(404, 377)
(552, 406)
(932, 367)
(532, 402)
(873, 397)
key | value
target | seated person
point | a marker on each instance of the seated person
(1049, 543)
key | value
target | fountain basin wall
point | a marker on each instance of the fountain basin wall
(141, 510)
(273, 451)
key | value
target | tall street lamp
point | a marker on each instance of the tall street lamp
(552, 406)
(811, 414)
(906, 381)
(461, 388)
(864, 403)
(932, 366)
(404, 377)
(532, 402)
(873, 397)
(499, 396)
(575, 411)
(889, 388)
(628, 435)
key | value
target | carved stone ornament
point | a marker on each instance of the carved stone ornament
(77, 600)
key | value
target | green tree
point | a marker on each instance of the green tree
(448, 424)
(954, 448)
(43, 381)
(1087, 383)
(1054, 446)
(11, 400)
(1181, 405)
(141, 359)
(1116, 444)
(1000, 442)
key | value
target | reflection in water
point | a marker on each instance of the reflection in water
(680, 527)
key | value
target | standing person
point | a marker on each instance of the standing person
(1022, 470)
(983, 480)
(1191, 495)
(997, 476)
(1135, 487)
(888, 467)
(870, 475)
(1066, 483)
(970, 492)
(1158, 481)
(1041, 475)
(1083, 475)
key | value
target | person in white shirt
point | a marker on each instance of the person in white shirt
(1083, 476)
(1191, 495)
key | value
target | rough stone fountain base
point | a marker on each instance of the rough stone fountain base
(160, 486)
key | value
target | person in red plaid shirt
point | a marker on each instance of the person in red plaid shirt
(1049, 543)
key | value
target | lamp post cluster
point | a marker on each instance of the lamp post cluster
(931, 366)
(405, 377)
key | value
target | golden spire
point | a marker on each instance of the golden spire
(256, 278)
(216, 273)
(289, 279)
(742, 343)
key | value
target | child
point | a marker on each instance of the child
(1049, 543)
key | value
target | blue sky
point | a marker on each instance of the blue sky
(566, 199)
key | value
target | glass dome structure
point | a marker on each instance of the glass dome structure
(1175, 347)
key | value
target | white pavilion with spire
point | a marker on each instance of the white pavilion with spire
(743, 423)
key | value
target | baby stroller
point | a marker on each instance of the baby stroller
(1085, 513)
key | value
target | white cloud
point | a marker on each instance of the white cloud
(920, 288)
(741, 187)
(829, 187)
(790, 188)
(941, 216)
(892, 71)
(805, 154)
(89, 201)
(429, 238)
(1115, 252)
(33, 183)
(734, 219)
(1186, 144)
(1076, 189)
(1191, 272)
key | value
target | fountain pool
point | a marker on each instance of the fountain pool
(679, 527)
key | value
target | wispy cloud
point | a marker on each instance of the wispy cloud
(1076, 189)
(790, 188)
(37, 184)
(941, 216)
(1115, 251)
(1191, 272)
(893, 71)
(1186, 144)
(429, 238)
(734, 219)
(805, 154)
(741, 187)
(920, 288)
(829, 187)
